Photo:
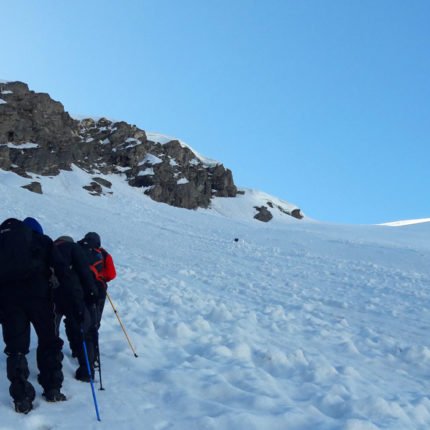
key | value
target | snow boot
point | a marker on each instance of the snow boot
(81, 374)
(54, 395)
(23, 406)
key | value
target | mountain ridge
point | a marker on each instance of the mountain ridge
(37, 135)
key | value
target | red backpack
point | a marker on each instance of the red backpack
(101, 264)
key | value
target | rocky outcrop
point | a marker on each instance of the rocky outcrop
(295, 213)
(263, 214)
(37, 135)
(35, 187)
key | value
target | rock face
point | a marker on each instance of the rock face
(35, 187)
(38, 136)
(263, 214)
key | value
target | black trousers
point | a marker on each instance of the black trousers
(19, 315)
(77, 331)
(100, 306)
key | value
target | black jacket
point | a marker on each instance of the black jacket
(39, 285)
(77, 289)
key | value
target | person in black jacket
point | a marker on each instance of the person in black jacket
(76, 299)
(27, 299)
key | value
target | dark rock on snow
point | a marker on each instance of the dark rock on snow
(263, 214)
(35, 187)
(37, 135)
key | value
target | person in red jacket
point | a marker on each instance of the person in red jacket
(101, 265)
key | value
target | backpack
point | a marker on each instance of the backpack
(19, 257)
(96, 260)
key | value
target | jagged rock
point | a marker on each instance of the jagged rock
(37, 129)
(222, 182)
(94, 188)
(35, 187)
(296, 213)
(103, 182)
(5, 162)
(263, 214)
(38, 136)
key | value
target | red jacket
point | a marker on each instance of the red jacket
(109, 271)
(103, 269)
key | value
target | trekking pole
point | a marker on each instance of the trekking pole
(97, 366)
(91, 377)
(120, 322)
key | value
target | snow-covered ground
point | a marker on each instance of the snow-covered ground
(296, 325)
(406, 222)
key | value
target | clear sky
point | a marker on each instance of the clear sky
(323, 103)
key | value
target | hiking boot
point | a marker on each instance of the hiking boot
(23, 406)
(81, 374)
(54, 395)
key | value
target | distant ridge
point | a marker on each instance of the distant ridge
(406, 222)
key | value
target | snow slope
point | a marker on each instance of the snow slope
(406, 222)
(297, 325)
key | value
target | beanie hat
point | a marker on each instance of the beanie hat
(65, 239)
(93, 239)
(33, 224)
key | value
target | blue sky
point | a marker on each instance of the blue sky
(324, 103)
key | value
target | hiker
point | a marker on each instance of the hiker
(102, 266)
(74, 300)
(27, 258)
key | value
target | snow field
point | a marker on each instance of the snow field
(295, 326)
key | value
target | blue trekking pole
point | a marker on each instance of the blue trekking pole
(91, 378)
